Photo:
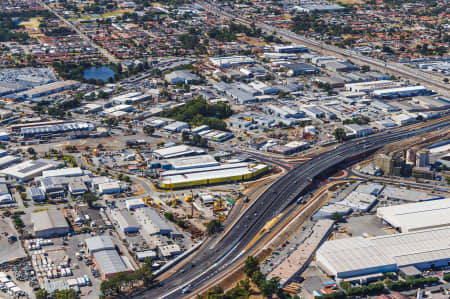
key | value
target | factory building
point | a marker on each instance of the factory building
(135, 203)
(227, 61)
(400, 92)
(177, 151)
(28, 170)
(49, 223)
(55, 129)
(126, 221)
(289, 148)
(48, 89)
(63, 172)
(290, 49)
(417, 216)
(107, 259)
(35, 194)
(7, 161)
(182, 163)
(355, 130)
(358, 256)
(227, 173)
(152, 222)
(368, 87)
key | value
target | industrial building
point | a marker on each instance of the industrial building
(107, 259)
(126, 221)
(134, 203)
(7, 161)
(368, 87)
(109, 188)
(63, 172)
(289, 148)
(417, 216)
(358, 256)
(227, 61)
(290, 49)
(181, 76)
(177, 151)
(399, 92)
(48, 89)
(28, 170)
(49, 223)
(55, 129)
(182, 163)
(152, 222)
(227, 173)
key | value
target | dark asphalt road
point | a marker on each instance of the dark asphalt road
(210, 261)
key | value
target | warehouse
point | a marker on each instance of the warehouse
(357, 256)
(109, 188)
(126, 221)
(152, 222)
(7, 161)
(176, 127)
(134, 203)
(177, 151)
(49, 223)
(63, 172)
(192, 162)
(231, 60)
(227, 173)
(417, 216)
(107, 259)
(400, 92)
(35, 194)
(55, 129)
(29, 169)
(368, 87)
(290, 49)
(50, 88)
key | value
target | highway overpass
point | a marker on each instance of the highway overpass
(222, 252)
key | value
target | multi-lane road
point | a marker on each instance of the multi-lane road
(219, 254)
(398, 69)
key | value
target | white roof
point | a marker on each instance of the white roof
(29, 168)
(193, 161)
(48, 219)
(222, 171)
(417, 216)
(74, 171)
(372, 254)
(176, 151)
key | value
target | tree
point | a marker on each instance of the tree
(89, 198)
(65, 294)
(149, 130)
(339, 134)
(31, 151)
(145, 273)
(42, 294)
(251, 265)
(213, 226)
(270, 287)
(337, 217)
(185, 137)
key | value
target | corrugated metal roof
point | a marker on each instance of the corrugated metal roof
(110, 262)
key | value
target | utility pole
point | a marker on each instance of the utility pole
(192, 204)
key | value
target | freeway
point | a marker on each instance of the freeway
(211, 260)
(390, 67)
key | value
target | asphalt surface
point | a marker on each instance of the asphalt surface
(213, 260)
